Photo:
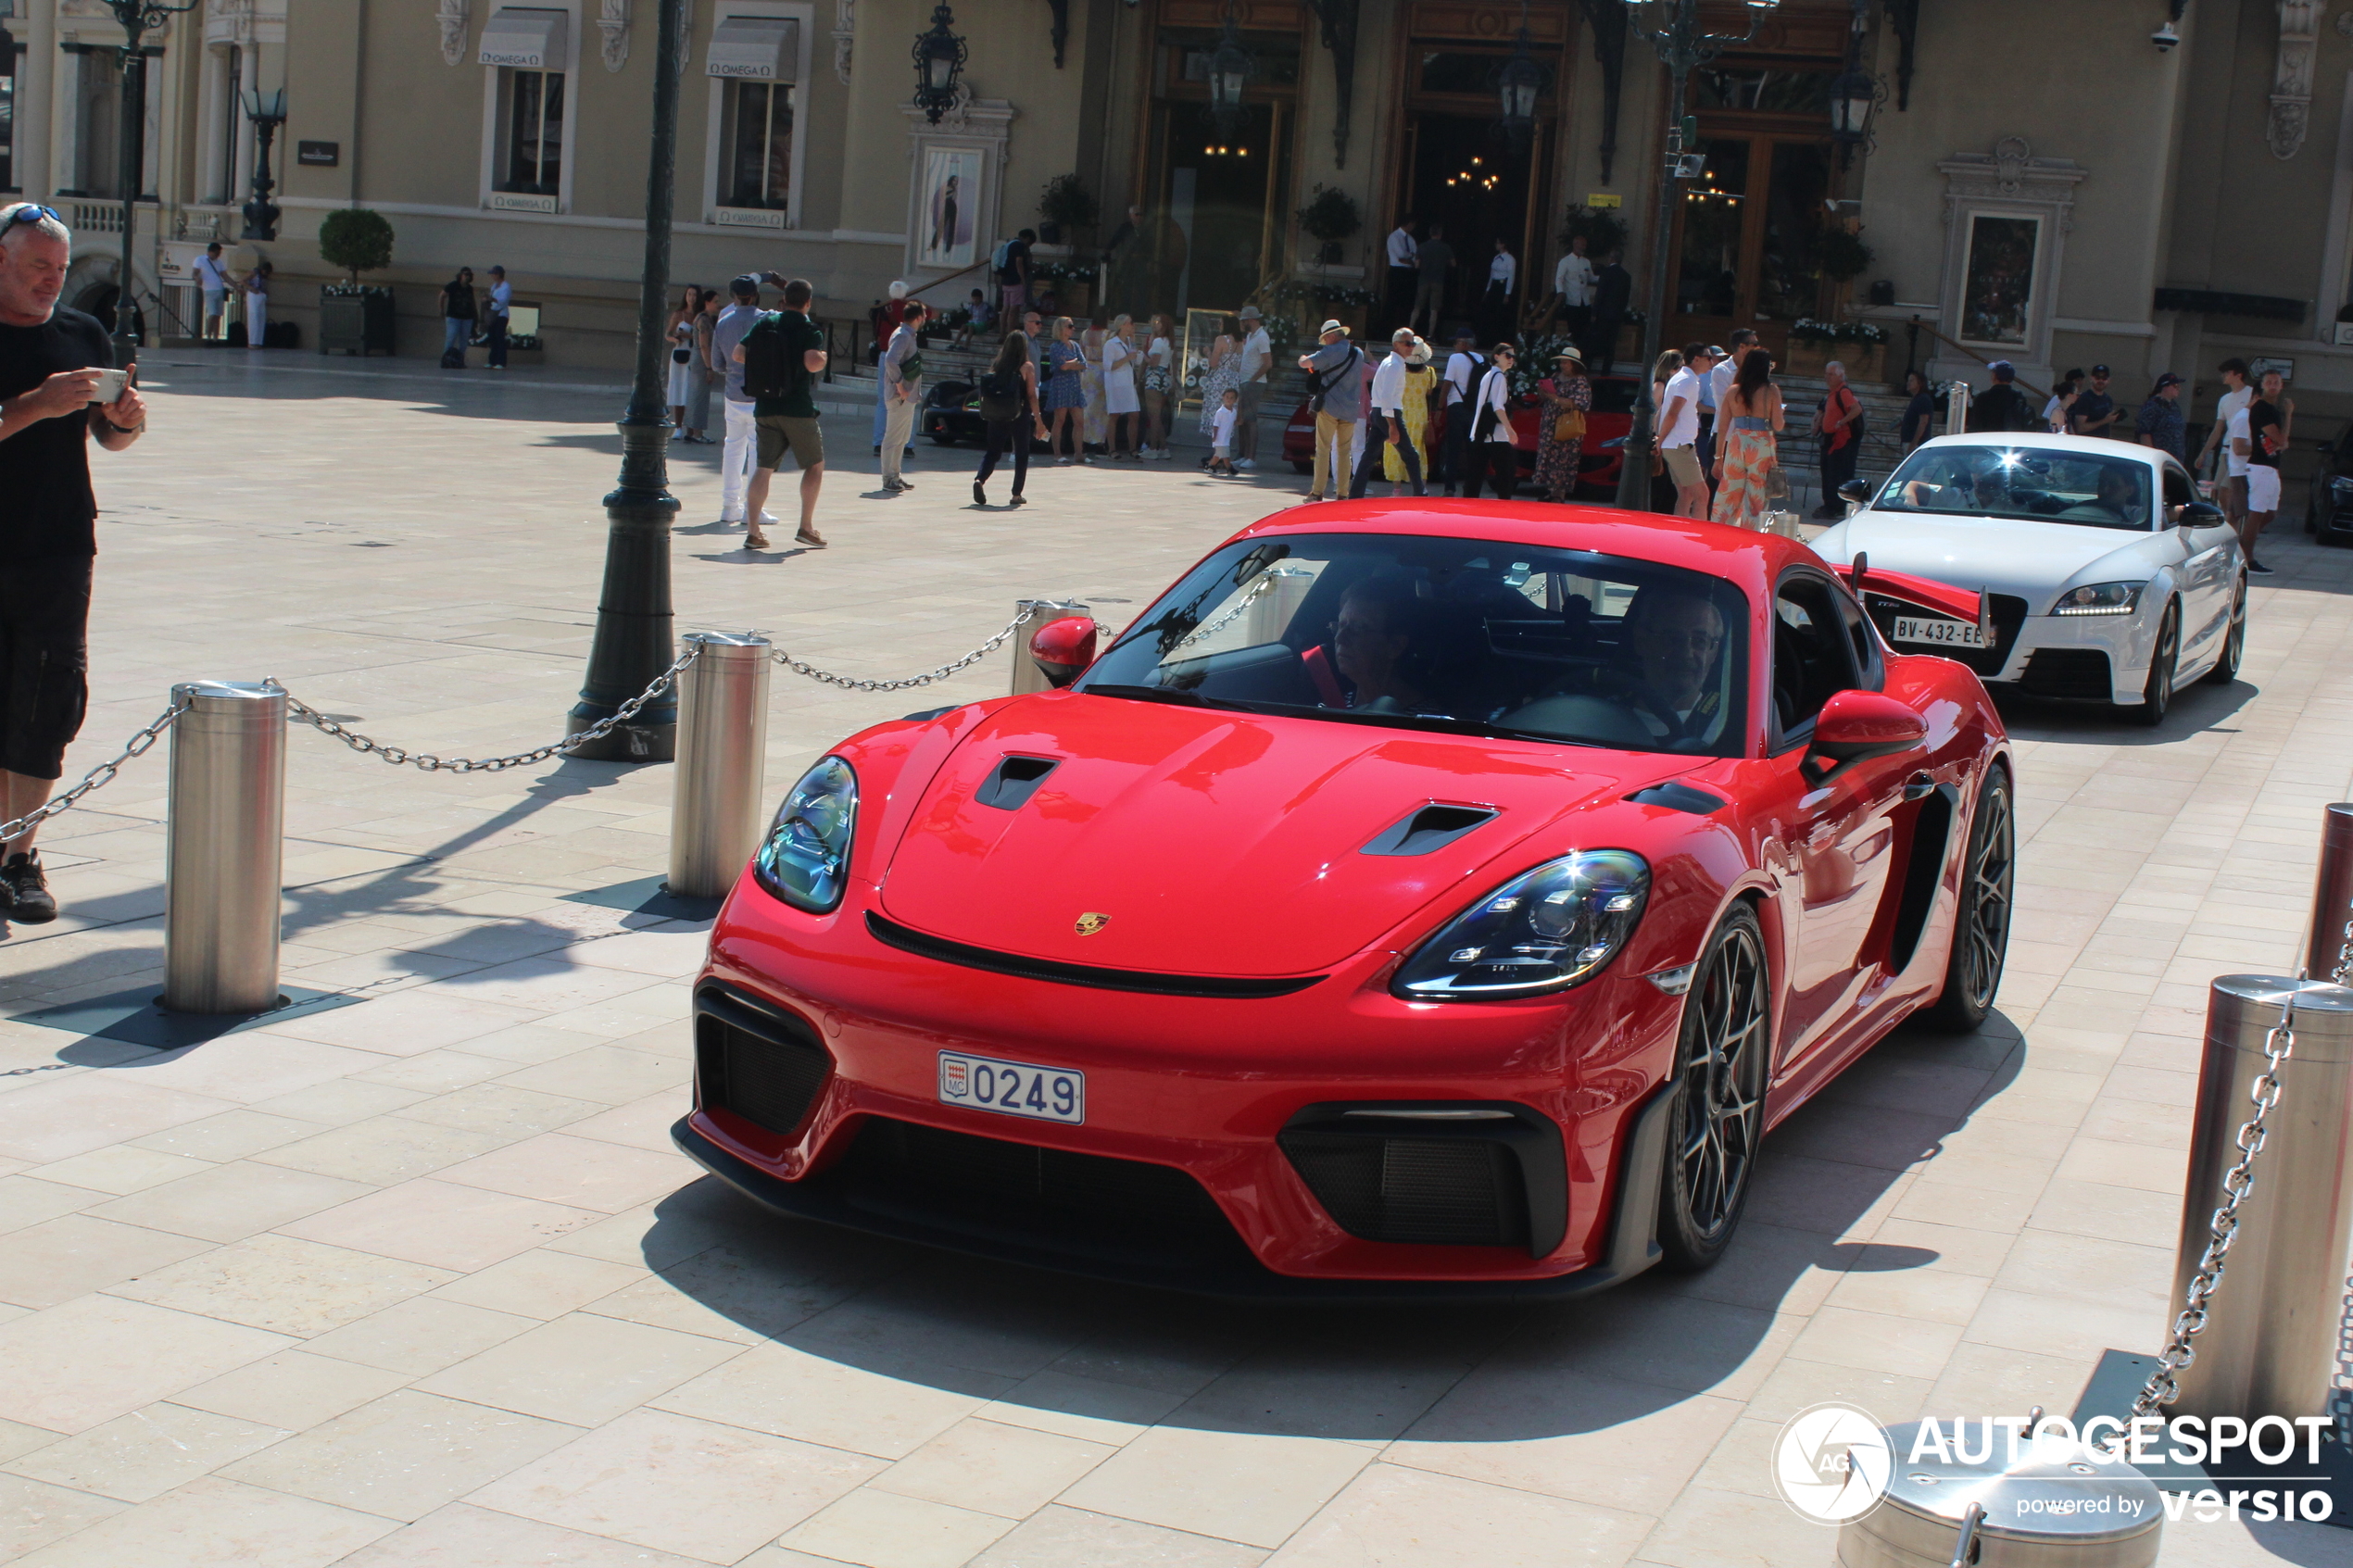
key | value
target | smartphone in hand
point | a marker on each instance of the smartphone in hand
(109, 387)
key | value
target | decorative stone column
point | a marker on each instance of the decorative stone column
(453, 18)
(2292, 76)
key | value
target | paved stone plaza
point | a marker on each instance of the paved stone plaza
(420, 1280)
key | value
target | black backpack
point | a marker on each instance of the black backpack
(1000, 395)
(772, 371)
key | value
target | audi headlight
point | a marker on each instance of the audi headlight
(805, 858)
(1544, 930)
(2100, 598)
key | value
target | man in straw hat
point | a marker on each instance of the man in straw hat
(1337, 395)
(1385, 426)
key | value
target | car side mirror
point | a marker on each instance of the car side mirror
(1062, 649)
(2201, 514)
(1854, 492)
(1856, 725)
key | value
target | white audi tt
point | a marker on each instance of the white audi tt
(2103, 575)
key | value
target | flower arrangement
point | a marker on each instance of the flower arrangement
(1807, 330)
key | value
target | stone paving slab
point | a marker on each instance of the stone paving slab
(419, 1279)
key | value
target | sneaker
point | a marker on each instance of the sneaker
(1015, 500)
(1243, 465)
(980, 496)
(30, 899)
(2258, 568)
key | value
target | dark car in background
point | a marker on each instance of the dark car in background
(2328, 500)
(1605, 428)
(951, 413)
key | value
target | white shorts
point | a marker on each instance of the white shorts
(2262, 488)
(1219, 452)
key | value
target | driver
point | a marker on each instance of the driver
(1375, 644)
(1677, 638)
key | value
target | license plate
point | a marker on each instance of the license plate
(1014, 1088)
(1947, 634)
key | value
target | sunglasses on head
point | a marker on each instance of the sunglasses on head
(32, 212)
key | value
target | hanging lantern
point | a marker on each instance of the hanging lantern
(1853, 96)
(1518, 83)
(1230, 69)
(940, 60)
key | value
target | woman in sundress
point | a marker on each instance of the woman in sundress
(1124, 408)
(1419, 378)
(1065, 396)
(1224, 369)
(1159, 384)
(1094, 427)
(1565, 392)
(1745, 447)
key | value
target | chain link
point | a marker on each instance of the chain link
(99, 776)
(2279, 1044)
(303, 713)
(850, 683)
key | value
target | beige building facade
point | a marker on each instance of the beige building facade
(2040, 182)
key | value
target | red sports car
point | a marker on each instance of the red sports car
(1419, 897)
(1598, 461)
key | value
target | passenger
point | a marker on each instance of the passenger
(1375, 644)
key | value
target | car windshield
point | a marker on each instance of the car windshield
(1467, 635)
(2032, 483)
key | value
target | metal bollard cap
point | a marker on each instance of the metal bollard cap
(2065, 1495)
(227, 690)
(726, 639)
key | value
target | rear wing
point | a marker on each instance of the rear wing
(1937, 599)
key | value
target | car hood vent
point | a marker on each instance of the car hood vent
(1010, 783)
(1433, 827)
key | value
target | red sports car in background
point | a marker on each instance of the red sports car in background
(1602, 455)
(1418, 898)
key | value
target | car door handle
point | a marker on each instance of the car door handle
(1919, 787)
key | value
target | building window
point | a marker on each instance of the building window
(232, 117)
(100, 144)
(757, 136)
(533, 119)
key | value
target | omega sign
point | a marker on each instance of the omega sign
(751, 70)
(529, 59)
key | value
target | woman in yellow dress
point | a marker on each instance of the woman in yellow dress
(1419, 380)
(1745, 427)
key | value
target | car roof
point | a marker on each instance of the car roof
(1750, 560)
(2048, 440)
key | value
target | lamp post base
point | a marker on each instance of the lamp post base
(636, 631)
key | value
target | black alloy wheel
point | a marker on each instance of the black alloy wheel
(1982, 924)
(2226, 668)
(2157, 697)
(1717, 1118)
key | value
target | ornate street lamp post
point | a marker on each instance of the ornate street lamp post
(1682, 47)
(940, 60)
(1854, 93)
(634, 628)
(266, 114)
(138, 18)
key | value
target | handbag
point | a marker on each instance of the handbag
(1776, 482)
(1569, 426)
(680, 357)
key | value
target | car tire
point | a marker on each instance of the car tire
(1716, 1119)
(2156, 696)
(1981, 921)
(942, 438)
(2226, 668)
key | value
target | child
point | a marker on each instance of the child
(1221, 434)
(977, 314)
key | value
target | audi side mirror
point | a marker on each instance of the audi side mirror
(1856, 725)
(1062, 649)
(2201, 514)
(1854, 492)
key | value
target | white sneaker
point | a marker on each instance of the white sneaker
(1243, 465)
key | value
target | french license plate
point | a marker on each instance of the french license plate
(1015, 1088)
(1930, 629)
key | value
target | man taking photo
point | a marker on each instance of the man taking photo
(54, 367)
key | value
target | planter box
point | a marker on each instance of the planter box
(356, 323)
(1863, 361)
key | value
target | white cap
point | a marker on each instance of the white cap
(898, 289)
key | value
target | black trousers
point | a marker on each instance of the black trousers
(1003, 436)
(1457, 450)
(1600, 344)
(1496, 462)
(496, 329)
(45, 662)
(1838, 466)
(1402, 281)
(1377, 442)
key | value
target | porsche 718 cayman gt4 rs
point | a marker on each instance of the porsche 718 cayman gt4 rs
(1418, 898)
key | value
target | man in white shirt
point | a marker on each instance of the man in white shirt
(502, 303)
(1502, 282)
(1679, 433)
(1258, 361)
(1461, 368)
(213, 278)
(1493, 455)
(736, 458)
(2229, 489)
(1573, 290)
(1385, 419)
(1404, 269)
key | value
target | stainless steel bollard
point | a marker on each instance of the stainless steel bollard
(2071, 1506)
(226, 844)
(2271, 1338)
(2329, 946)
(1956, 402)
(723, 747)
(1028, 677)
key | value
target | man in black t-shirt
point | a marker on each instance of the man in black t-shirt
(2002, 407)
(52, 364)
(2266, 438)
(1012, 277)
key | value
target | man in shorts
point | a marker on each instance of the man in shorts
(52, 362)
(790, 423)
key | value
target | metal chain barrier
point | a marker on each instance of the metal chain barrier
(99, 776)
(851, 683)
(304, 713)
(2238, 1182)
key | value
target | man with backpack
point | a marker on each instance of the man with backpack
(1463, 368)
(1339, 401)
(782, 356)
(1011, 265)
(1842, 430)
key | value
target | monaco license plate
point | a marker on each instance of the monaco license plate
(1938, 633)
(1014, 1088)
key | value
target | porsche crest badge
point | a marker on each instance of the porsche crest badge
(1090, 923)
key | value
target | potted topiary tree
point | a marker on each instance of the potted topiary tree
(354, 318)
(1331, 218)
(1603, 230)
(1065, 208)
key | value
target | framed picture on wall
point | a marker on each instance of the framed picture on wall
(951, 209)
(1997, 282)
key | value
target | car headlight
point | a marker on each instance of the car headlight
(805, 858)
(1544, 930)
(2100, 598)
(2340, 485)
